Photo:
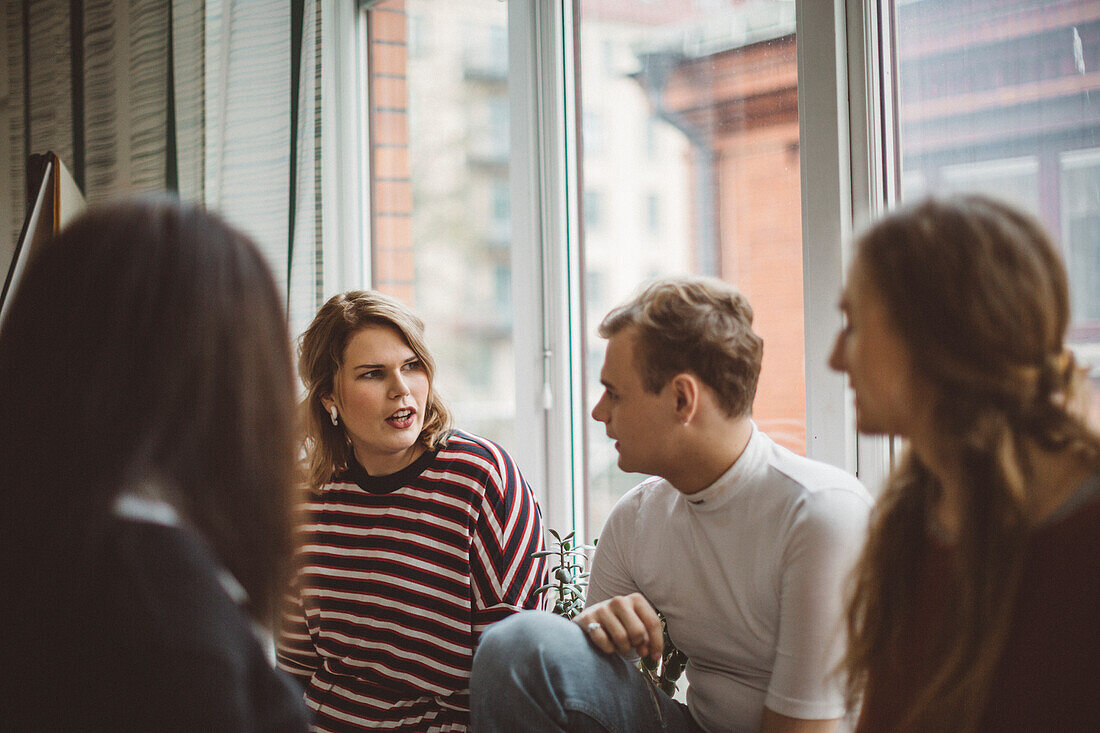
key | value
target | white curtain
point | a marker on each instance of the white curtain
(195, 95)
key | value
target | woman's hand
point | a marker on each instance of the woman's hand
(623, 624)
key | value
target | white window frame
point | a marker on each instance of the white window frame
(847, 139)
(342, 183)
(548, 317)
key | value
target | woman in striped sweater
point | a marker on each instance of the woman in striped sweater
(413, 537)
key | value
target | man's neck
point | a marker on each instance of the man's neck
(708, 452)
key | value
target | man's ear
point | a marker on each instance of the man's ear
(686, 390)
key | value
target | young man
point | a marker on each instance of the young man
(741, 544)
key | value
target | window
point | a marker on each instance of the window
(999, 98)
(653, 213)
(500, 214)
(592, 132)
(622, 139)
(1014, 180)
(651, 132)
(1080, 202)
(1080, 205)
(592, 203)
(687, 159)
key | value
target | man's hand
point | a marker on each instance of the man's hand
(622, 624)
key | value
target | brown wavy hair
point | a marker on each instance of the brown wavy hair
(320, 354)
(979, 294)
(694, 324)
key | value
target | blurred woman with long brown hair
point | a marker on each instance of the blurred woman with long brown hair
(975, 601)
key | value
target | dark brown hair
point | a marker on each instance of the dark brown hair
(700, 325)
(979, 294)
(320, 354)
(146, 347)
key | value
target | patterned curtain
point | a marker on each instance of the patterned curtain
(219, 100)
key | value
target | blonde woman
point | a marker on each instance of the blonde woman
(414, 537)
(976, 597)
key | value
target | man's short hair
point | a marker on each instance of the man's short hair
(700, 325)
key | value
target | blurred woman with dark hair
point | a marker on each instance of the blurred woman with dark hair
(147, 446)
(415, 536)
(975, 600)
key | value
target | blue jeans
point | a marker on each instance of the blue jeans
(535, 671)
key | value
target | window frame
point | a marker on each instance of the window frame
(847, 138)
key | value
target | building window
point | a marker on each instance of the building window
(593, 201)
(1080, 201)
(500, 209)
(653, 213)
(1015, 180)
(691, 161)
(999, 99)
(591, 132)
(652, 130)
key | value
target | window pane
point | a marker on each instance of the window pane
(690, 155)
(440, 210)
(1002, 98)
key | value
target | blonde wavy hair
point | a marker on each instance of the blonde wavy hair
(320, 354)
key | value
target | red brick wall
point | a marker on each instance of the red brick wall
(392, 263)
(760, 229)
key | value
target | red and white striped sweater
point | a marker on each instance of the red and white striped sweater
(397, 577)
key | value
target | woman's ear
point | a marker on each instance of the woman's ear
(686, 391)
(327, 402)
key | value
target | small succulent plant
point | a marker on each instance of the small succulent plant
(665, 672)
(569, 575)
(569, 584)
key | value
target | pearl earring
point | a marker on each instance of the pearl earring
(333, 415)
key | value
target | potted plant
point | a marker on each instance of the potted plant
(568, 586)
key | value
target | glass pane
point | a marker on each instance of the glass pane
(440, 210)
(690, 164)
(1003, 98)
